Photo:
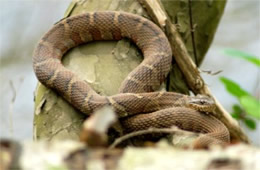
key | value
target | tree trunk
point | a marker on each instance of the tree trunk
(104, 65)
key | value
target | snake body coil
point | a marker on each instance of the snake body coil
(136, 92)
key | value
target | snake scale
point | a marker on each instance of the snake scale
(136, 103)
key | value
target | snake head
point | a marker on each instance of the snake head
(202, 103)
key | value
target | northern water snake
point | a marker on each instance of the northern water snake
(136, 94)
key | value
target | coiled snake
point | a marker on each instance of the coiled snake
(136, 94)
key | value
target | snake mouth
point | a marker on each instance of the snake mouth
(202, 103)
(202, 108)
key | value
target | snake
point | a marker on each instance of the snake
(138, 103)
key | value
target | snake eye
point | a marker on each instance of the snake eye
(202, 102)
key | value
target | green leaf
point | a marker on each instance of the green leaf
(250, 123)
(251, 106)
(235, 115)
(237, 110)
(236, 53)
(233, 88)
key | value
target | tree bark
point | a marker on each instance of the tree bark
(188, 67)
(104, 65)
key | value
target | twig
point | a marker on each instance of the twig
(189, 69)
(93, 133)
(171, 130)
(11, 107)
(192, 34)
(211, 72)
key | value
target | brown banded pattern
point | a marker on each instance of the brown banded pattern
(137, 94)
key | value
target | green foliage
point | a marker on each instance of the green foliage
(239, 114)
(235, 53)
(237, 111)
(249, 106)
(233, 88)
(250, 123)
(247, 101)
